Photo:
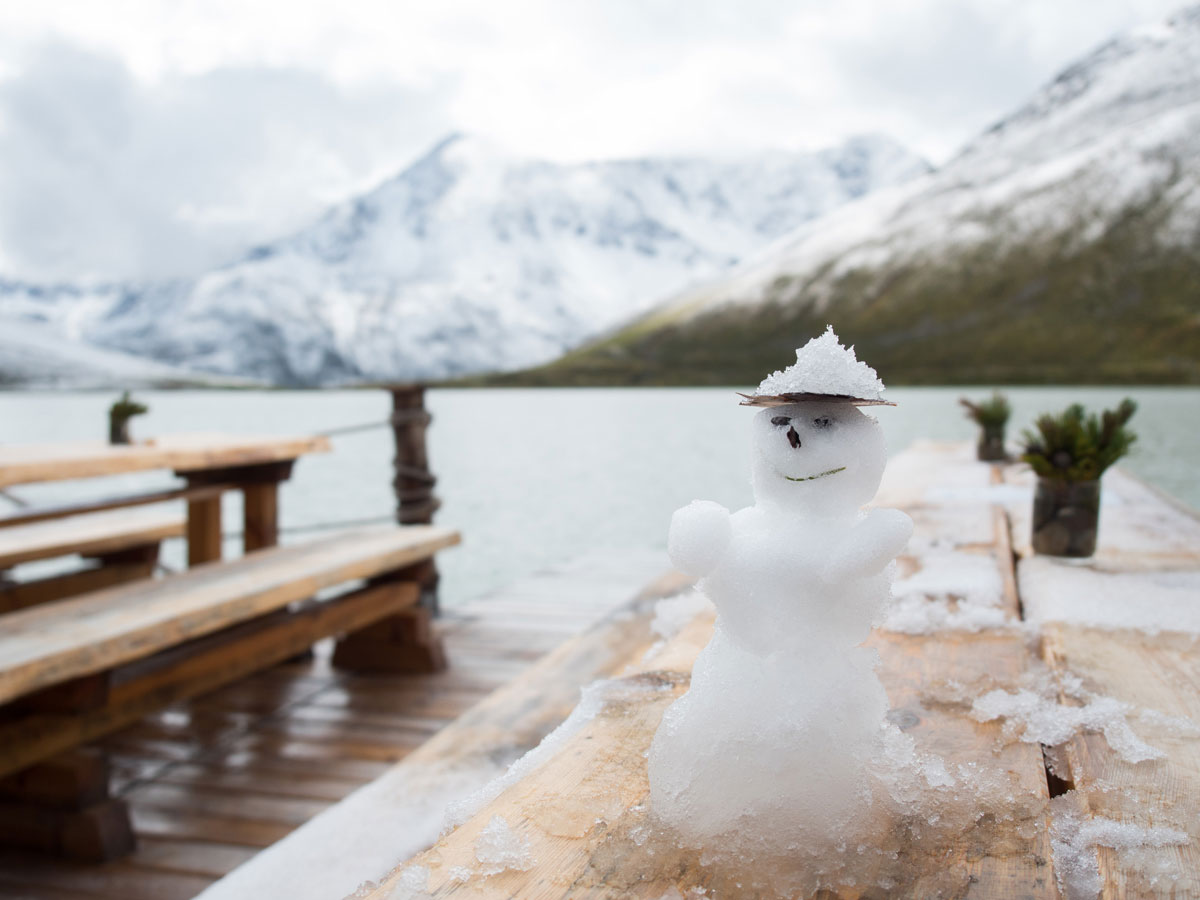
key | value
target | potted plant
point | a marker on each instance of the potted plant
(1069, 452)
(991, 416)
(119, 415)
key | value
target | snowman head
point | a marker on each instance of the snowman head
(825, 458)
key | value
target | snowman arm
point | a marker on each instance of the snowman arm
(870, 546)
(699, 536)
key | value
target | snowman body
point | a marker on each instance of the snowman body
(784, 709)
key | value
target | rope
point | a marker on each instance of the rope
(318, 526)
(345, 523)
(353, 429)
(399, 417)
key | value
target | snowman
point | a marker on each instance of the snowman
(769, 749)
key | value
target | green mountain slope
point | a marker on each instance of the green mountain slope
(1063, 245)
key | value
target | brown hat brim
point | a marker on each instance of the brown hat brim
(788, 399)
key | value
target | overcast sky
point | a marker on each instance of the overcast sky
(152, 138)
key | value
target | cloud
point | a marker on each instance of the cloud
(105, 175)
(188, 129)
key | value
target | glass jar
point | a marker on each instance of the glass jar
(1066, 516)
(991, 444)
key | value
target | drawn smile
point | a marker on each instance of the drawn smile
(815, 477)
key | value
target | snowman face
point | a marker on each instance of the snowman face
(827, 454)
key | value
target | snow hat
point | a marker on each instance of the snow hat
(824, 371)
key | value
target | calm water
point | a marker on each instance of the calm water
(534, 477)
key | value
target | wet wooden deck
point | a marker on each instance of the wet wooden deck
(213, 781)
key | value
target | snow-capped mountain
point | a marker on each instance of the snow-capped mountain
(1061, 244)
(469, 260)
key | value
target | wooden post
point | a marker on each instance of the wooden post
(415, 501)
(407, 641)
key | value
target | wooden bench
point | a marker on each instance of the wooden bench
(80, 668)
(120, 545)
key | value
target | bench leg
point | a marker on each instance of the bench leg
(403, 643)
(62, 807)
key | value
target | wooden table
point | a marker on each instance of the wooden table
(209, 463)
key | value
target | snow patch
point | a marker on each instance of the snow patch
(499, 848)
(1074, 838)
(1038, 720)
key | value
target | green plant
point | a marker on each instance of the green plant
(126, 408)
(991, 413)
(1073, 446)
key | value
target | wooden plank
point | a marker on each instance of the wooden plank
(191, 670)
(114, 880)
(225, 805)
(28, 516)
(577, 810)
(95, 534)
(207, 860)
(49, 644)
(24, 463)
(1156, 673)
(190, 825)
(320, 786)
(56, 587)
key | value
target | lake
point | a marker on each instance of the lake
(533, 477)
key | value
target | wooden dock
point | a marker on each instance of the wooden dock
(213, 781)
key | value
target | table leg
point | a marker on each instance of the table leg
(260, 516)
(259, 484)
(204, 530)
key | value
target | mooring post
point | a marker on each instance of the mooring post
(415, 502)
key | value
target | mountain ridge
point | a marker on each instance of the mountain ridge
(1062, 244)
(469, 259)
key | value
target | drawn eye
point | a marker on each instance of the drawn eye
(781, 420)
(822, 422)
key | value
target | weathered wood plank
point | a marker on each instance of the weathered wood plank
(204, 859)
(578, 808)
(30, 515)
(313, 785)
(24, 463)
(1158, 676)
(95, 534)
(56, 587)
(45, 645)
